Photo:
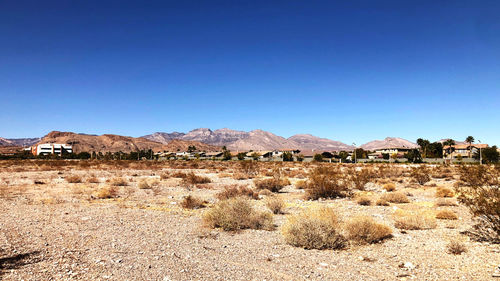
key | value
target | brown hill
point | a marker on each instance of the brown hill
(115, 143)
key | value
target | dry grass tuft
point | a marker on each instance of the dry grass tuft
(364, 200)
(74, 179)
(119, 181)
(366, 230)
(275, 204)
(314, 229)
(93, 179)
(414, 221)
(192, 202)
(446, 215)
(456, 247)
(440, 202)
(395, 197)
(106, 192)
(236, 214)
(390, 187)
(143, 184)
(382, 202)
(234, 190)
(326, 183)
(444, 192)
(300, 184)
(192, 179)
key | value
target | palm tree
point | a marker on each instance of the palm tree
(449, 143)
(469, 140)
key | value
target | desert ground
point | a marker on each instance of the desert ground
(158, 220)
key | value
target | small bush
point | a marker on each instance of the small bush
(144, 185)
(420, 175)
(119, 182)
(93, 180)
(395, 197)
(444, 192)
(364, 200)
(164, 176)
(414, 221)
(300, 184)
(390, 187)
(382, 202)
(326, 183)
(236, 214)
(74, 179)
(192, 202)
(192, 179)
(366, 230)
(360, 178)
(446, 215)
(441, 202)
(456, 247)
(314, 229)
(234, 190)
(275, 204)
(106, 192)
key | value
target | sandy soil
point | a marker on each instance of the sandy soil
(59, 231)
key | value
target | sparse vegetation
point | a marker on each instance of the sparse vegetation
(446, 215)
(275, 204)
(414, 221)
(119, 182)
(444, 192)
(390, 187)
(192, 179)
(192, 202)
(326, 182)
(364, 229)
(395, 197)
(74, 179)
(314, 229)
(234, 190)
(237, 214)
(421, 175)
(364, 200)
(456, 247)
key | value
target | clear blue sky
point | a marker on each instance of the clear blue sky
(352, 71)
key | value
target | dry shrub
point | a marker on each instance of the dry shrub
(143, 184)
(359, 179)
(192, 179)
(165, 176)
(236, 214)
(192, 202)
(234, 190)
(382, 202)
(446, 215)
(106, 192)
(395, 197)
(224, 175)
(249, 168)
(300, 184)
(390, 186)
(364, 200)
(314, 229)
(265, 192)
(414, 220)
(74, 179)
(441, 202)
(475, 175)
(93, 179)
(275, 204)
(274, 184)
(119, 181)
(420, 175)
(179, 175)
(484, 203)
(365, 230)
(456, 247)
(444, 192)
(326, 183)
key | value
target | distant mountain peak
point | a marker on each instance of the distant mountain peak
(389, 142)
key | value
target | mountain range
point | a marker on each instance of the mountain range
(203, 139)
(389, 143)
(253, 140)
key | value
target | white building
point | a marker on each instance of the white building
(51, 148)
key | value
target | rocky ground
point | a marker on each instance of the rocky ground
(58, 231)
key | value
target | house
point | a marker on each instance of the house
(462, 150)
(216, 154)
(51, 148)
(393, 150)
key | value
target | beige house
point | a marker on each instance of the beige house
(462, 150)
